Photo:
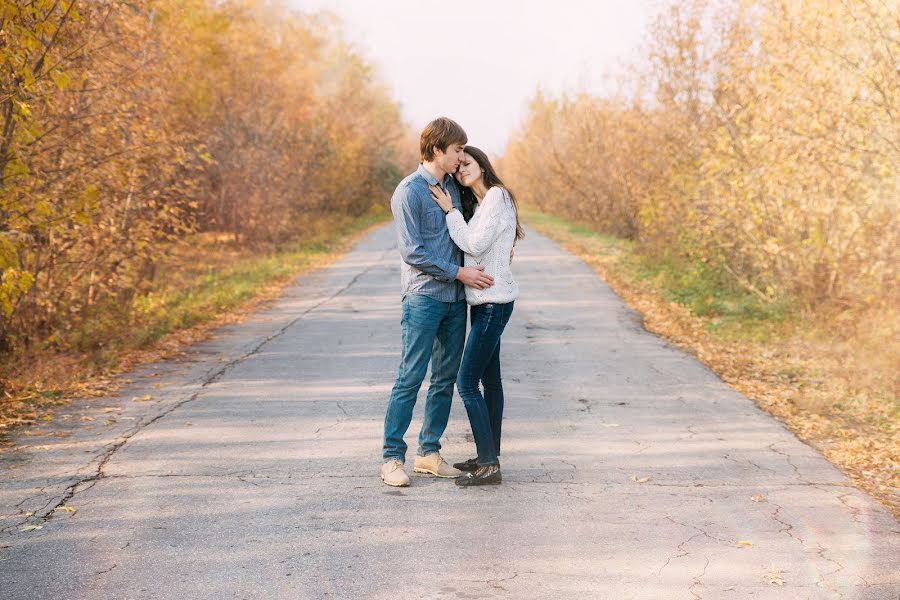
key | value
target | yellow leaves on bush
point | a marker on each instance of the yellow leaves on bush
(125, 127)
(767, 148)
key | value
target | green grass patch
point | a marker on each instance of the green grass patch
(225, 277)
(202, 278)
(605, 243)
(705, 290)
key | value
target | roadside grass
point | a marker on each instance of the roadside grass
(832, 379)
(204, 281)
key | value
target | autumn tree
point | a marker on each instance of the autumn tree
(128, 126)
(761, 139)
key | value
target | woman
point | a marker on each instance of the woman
(487, 240)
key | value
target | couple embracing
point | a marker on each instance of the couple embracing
(456, 227)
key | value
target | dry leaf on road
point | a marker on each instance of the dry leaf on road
(775, 577)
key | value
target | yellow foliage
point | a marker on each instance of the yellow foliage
(126, 126)
(761, 138)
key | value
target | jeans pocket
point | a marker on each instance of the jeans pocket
(423, 311)
(483, 315)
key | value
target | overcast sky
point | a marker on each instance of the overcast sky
(479, 62)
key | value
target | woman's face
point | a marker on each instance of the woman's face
(469, 171)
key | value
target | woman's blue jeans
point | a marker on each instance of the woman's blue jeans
(481, 362)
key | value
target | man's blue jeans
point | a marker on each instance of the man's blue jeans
(433, 331)
(481, 362)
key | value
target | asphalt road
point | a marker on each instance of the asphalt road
(249, 469)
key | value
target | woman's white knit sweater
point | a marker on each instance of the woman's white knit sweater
(487, 240)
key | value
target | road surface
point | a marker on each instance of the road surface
(250, 469)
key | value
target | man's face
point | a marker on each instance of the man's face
(449, 159)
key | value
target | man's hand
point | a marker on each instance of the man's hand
(475, 277)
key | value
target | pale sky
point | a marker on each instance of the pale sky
(480, 62)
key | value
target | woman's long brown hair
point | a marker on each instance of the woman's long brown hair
(491, 179)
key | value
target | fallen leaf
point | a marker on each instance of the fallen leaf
(640, 480)
(758, 497)
(143, 398)
(775, 577)
(31, 528)
(67, 509)
(744, 543)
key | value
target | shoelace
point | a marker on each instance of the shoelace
(486, 471)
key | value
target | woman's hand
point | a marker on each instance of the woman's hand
(442, 197)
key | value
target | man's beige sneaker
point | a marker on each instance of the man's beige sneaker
(392, 473)
(435, 465)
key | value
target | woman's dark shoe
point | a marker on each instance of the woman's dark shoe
(486, 475)
(469, 465)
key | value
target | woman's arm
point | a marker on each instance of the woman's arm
(477, 240)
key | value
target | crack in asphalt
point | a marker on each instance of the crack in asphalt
(682, 554)
(250, 481)
(85, 483)
(694, 527)
(855, 510)
(787, 457)
(820, 552)
(336, 423)
(697, 580)
(642, 446)
(749, 462)
(495, 583)
(105, 571)
(786, 528)
(548, 474)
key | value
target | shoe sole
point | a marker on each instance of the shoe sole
(498, 482)
(394, 484)
(427, 472)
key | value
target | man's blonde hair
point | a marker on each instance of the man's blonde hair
(439, 134)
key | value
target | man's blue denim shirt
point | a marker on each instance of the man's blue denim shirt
(430, 258)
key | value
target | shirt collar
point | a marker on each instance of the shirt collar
(427, 176)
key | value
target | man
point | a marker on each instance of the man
(434, 307)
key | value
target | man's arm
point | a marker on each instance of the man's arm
(412, 249)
